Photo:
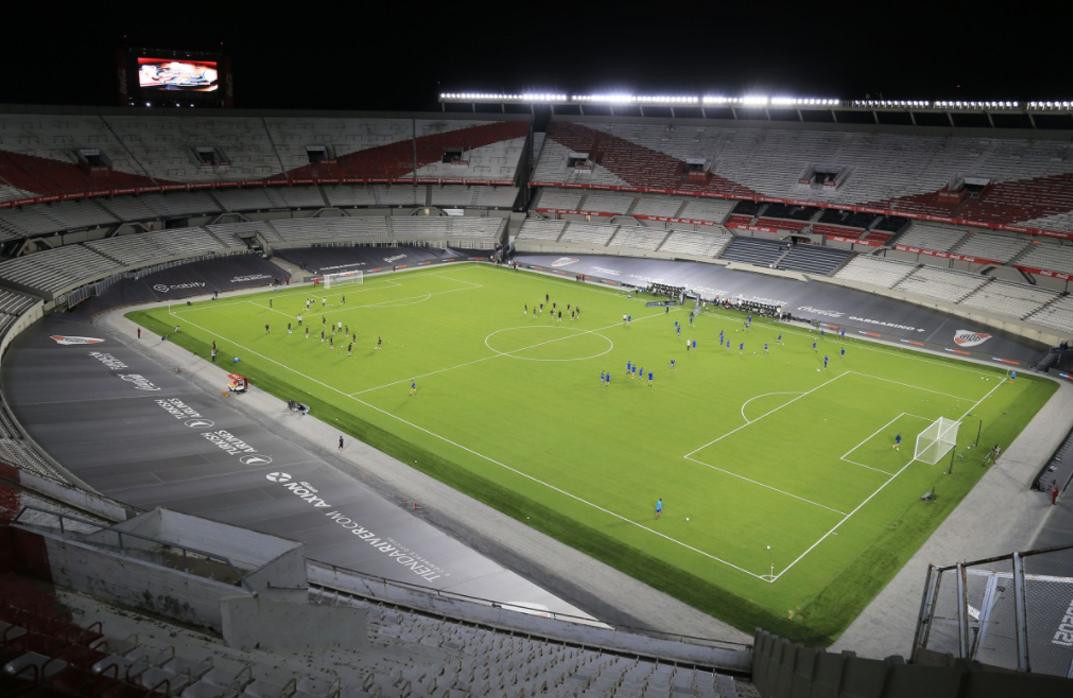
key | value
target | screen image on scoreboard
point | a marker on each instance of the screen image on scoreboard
(172, 75)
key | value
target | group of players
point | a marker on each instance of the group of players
(553, 307)
(633, 371)
(328, 330)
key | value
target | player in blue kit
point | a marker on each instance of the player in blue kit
(825, 359)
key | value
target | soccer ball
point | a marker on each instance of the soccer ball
(687, 518)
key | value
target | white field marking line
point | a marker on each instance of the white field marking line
(491, 460)
(445, 275)
(301, 291)
(577, 333)
(845, 456)
(393, 303)
(689, 456)
(867, 467)
(286, 294)
(596, 287)
(499, 354)
(764, 485)
(914, 387)
(280, 312)
(868, 346)
(757, 397)
(878, 490)
(771, 411)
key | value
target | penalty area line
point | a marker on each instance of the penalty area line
(764, 485)
(771, 411)
(494, 461)
(877, 491)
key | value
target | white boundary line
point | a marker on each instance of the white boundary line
(878, 490)
(771, 411)
(497, 355)
(765, 486)
(763, 577)
(914, 387)
(845, 456)
(287, 291)
(757, 397)
(487, 458)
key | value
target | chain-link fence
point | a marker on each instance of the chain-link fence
(1014, 611)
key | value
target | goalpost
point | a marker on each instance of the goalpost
(936, 440)
(342, 278)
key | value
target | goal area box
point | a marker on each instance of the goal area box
(343, 278)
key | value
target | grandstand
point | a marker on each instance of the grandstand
(166, 193)
(900, 171)
(755, 251)
(941, 284)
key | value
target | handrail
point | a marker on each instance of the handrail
(856, 208)
(186, 550)
(489, 603)
(1005, 556)
(250, 184)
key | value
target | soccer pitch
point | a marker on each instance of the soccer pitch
(785, 504)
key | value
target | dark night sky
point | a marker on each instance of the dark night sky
(951, 50)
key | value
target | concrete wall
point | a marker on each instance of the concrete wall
(128, 581)
(74, 496)
(274, 622)
(267, 561)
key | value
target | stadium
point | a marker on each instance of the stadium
(534, 393)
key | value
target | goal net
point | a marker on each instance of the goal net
(343, 278)
(936, 441)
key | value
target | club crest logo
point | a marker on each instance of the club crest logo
(968, 338)
(198, 423)
(278, 477)
(67, 340)
(564, 262)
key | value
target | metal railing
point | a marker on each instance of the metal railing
(135, 544)
(1012, 611)
(378, 589)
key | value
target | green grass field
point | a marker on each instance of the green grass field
(785, 504)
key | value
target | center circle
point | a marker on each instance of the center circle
(548, 343)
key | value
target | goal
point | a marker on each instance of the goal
(936, 440)
(343, 278)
